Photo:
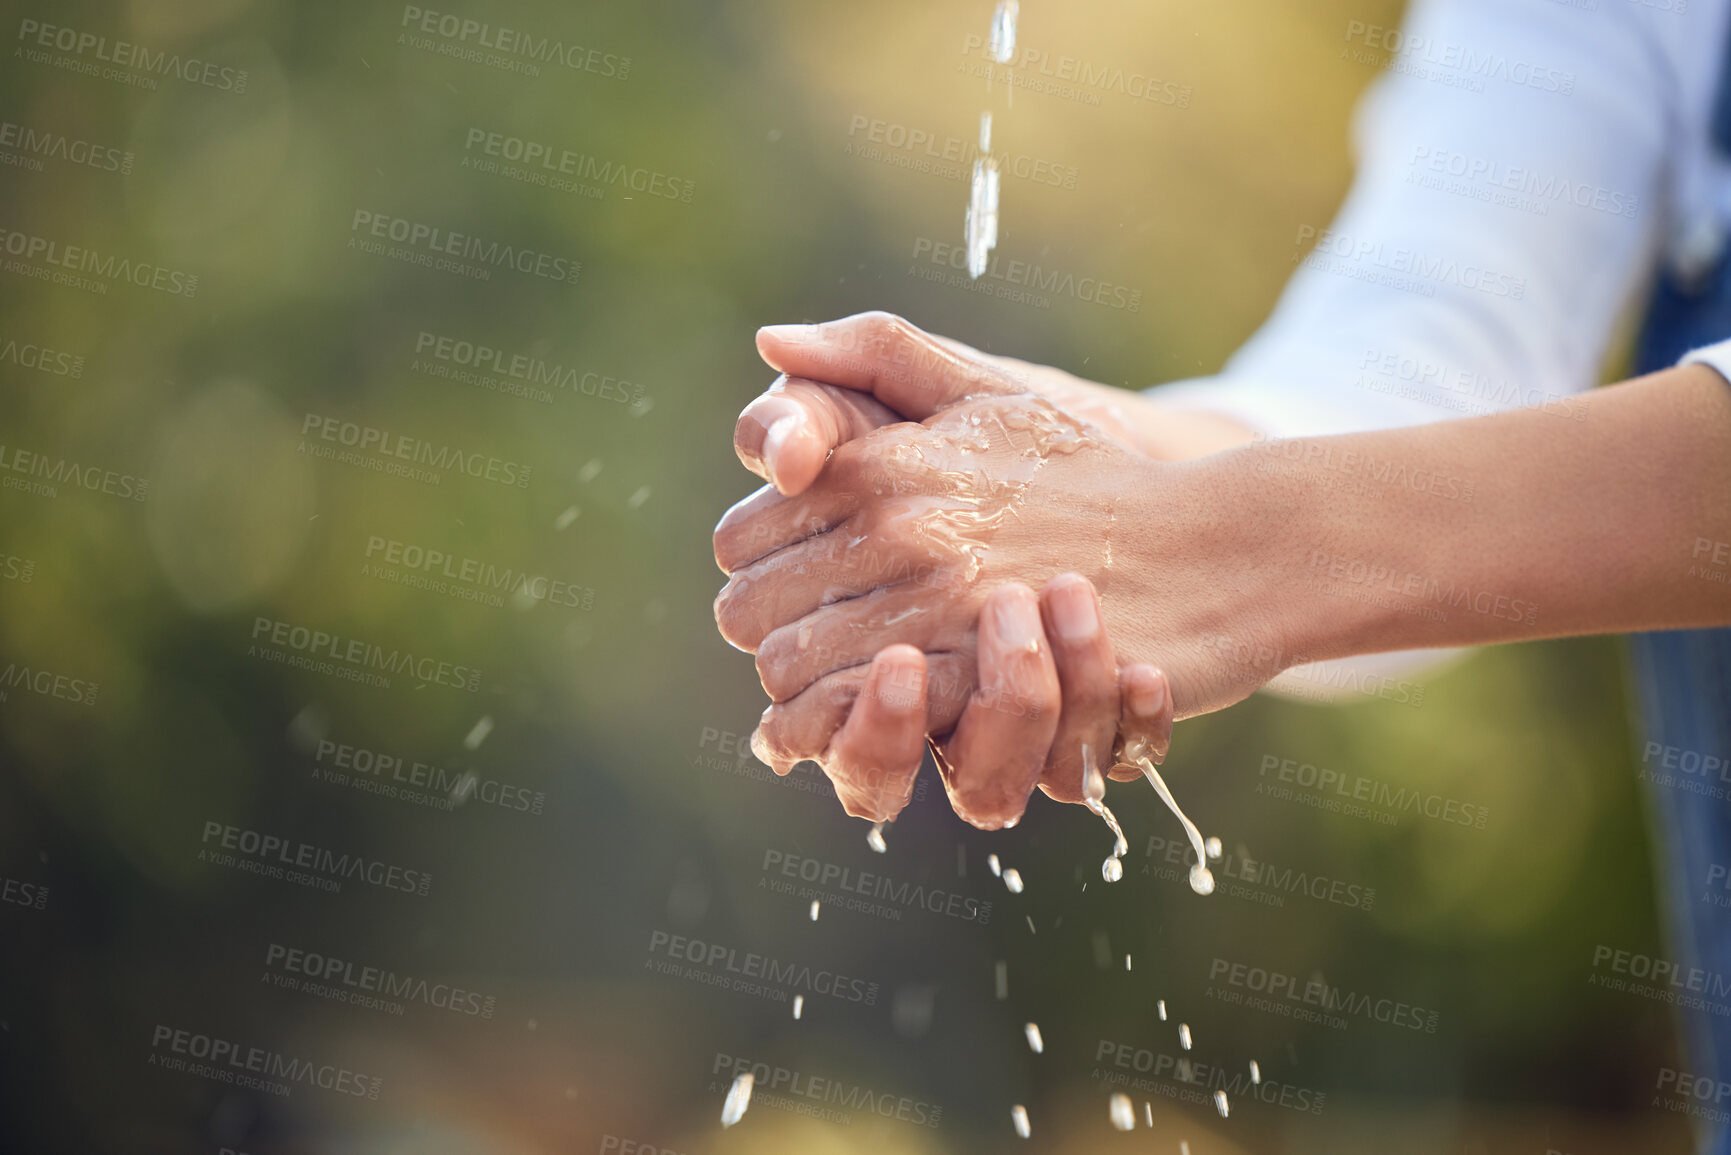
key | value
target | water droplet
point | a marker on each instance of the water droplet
(1112, 869)
(875, 838)
(1013, 880)
(993, 865)
(1214, 849)
(1123, 1111)
(1184, 1035)
(1019, 1116)
(590, 470)
(566, 517)
(1126, 962)
(1035, 1043)
(478, 733)
(1003, 44)
(1162, 1010)
(1148, 1112)
(1201, 880)
(1221, 1105)
(981, 222)
(738, 1099)
(1001, 980)
(1255, 1073)
(798, 1005)
(814, 909)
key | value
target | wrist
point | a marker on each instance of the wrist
(1277, 530)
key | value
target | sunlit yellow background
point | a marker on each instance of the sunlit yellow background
(617, 713)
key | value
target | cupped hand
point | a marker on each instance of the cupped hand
(1047, 682)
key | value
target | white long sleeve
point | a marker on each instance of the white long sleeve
(1521, 165)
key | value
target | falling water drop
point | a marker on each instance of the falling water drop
(1013, 880)
(1035, 1043)
(738, 1099)
(1184, 1035)
(1255, 1073)
(875, 838)
(1094, 795)
(1126, 962)
(798, 1005)
(1003, 45)
(1001, 980)
(1221, 1105)
(1019, 1116)
(1123, 1111)
(1162, 1010)
(1201, 879)
(993, 864)
(1214, 849)
(478, 734)
(814, 909)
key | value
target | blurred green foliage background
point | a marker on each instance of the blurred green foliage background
(624, 715)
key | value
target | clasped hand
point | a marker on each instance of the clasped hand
(920, 492)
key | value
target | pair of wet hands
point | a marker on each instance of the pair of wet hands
(923, 562)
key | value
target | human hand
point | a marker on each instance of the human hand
(1047, 682)
(908, 527)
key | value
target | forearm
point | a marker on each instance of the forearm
(1608, 517)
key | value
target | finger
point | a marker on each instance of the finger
(902, 366)
(804, 726)
(1000, 743)
(843, 570)
(785, 435)
(765, 522)
(876, 755)
(1087, 679)
(847, 633)
(1145, 721)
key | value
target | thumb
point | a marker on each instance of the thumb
(904, 367)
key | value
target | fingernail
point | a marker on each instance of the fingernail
(1018, 623)
(789, 332)
(1073, 611)
(778, 435)
(897, 685)
(1147, 695)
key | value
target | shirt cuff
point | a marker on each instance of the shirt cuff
(1715, 357)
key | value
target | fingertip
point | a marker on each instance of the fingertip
(778, 458)
(772, 341)
(1144, 690)
(1010, 617)
(897, 679)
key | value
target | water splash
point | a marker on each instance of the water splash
(1201, 878)
(1094, 795)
